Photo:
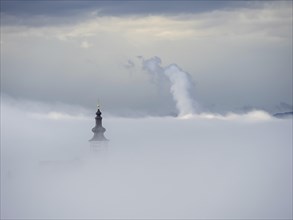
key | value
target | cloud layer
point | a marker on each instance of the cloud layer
(152, 167)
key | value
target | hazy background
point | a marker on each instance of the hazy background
(187, 90)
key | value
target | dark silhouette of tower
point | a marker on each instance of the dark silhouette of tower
(98, 130)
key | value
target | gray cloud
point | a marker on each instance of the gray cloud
(48, 13)
(69, 8)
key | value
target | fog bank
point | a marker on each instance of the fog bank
(196, 167)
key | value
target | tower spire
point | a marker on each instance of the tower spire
(98, 130)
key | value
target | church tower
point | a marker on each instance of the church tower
(98, 130)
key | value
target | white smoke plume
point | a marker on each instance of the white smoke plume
(181, 83)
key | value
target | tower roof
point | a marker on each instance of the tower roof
(98, 113)
(98, 130)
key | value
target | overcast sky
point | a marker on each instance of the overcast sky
(238, 54)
